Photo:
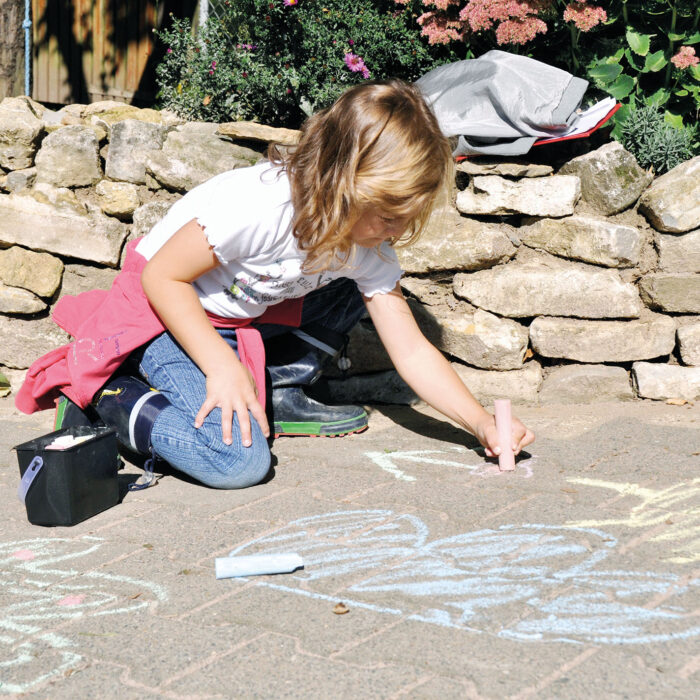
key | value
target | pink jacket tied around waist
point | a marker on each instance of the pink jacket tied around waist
(109, 324)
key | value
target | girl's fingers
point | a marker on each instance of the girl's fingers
(522, 439)
(227, 424)
(490, 440)
(204, 410)
(528, 438)
(244, 425)
(240, 407)
(259, 414)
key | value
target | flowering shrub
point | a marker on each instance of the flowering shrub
(685, 58)
(277, 61)
(584, 16)
(516, 22)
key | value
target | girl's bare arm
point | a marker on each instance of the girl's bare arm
(429, 374)
(167, 281)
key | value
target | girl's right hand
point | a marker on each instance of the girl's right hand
(486, 432)
(233, 390)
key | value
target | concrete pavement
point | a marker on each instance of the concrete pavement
(575, 576)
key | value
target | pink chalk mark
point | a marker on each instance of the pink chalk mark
(487, 471)
(23, 554)
(506, 460)
(71, 600)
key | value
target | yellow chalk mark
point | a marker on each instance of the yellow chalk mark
(677, 506)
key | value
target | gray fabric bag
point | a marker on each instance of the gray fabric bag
(501, 103)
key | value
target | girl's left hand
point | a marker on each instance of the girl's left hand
(486, 433)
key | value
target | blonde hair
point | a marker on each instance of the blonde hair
(378, 145)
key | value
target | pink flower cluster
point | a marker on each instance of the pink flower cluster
(439, 29)
(514, 21)
(685, 58)
(584, 16)
(482, 14)
(519, 31)
(441, 4)
(356, 64)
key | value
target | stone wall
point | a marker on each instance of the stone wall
(570, 283)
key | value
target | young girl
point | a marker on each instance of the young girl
(281, 259)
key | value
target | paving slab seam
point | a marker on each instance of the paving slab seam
(209, 660)
(642, 538)
(470, 691)
(235, 591)
(332, 598)
(161, 690)
(360, 642)
(402, 692)
(555, 675)
(690, 668)
(256, 502)
(357, 494)
(303, 651)
(529, 611)
(53, 681)
(126, 519)
(376, 571)
(668, 593)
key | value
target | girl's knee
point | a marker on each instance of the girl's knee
(202, 454)
(248, 469)
(238, 467)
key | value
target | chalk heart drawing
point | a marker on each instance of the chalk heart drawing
(676, 507)
(529, 582)
(473, 460)
(42, 588)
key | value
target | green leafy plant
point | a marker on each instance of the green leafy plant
(654, 142)
(277, 62)
(4, 385)
(635, 50)
(653, 61)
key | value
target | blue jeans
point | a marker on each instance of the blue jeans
(201, 452)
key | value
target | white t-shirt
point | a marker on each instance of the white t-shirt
(247, 215)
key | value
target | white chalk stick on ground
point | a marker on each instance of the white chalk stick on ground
(506, 460)
(257, 565)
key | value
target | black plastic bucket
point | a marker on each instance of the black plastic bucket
(64, 487)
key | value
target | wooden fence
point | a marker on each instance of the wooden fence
(89, 50)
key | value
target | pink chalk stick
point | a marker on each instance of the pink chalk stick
(506, 460)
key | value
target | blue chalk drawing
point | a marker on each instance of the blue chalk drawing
(528, 582)
(40, 590)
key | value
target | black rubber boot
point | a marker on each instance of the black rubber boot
(294, 363)
(131, 407)
(294, 413)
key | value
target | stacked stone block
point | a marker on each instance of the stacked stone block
(576, 285)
